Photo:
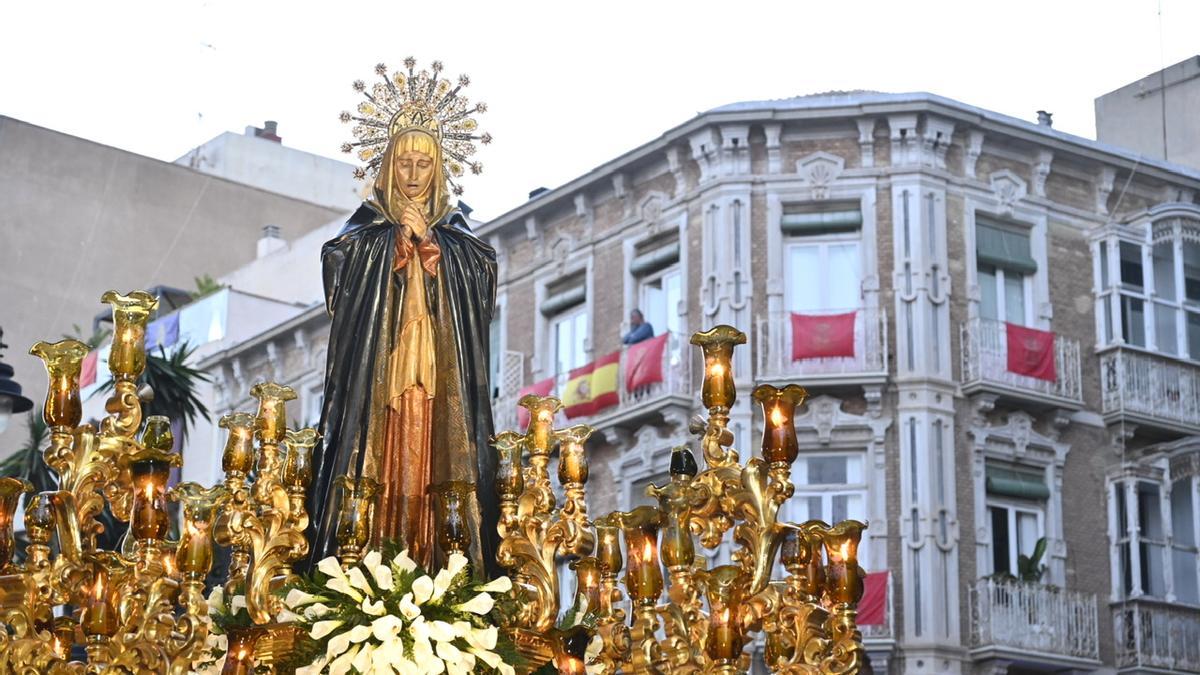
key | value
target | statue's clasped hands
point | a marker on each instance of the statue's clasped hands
(412, 221)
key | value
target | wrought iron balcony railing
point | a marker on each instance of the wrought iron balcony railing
(1157, 636)
(1149, 388)
(774, 350)
(984, 344)
(1034, 618)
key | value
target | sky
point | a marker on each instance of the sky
(568, 85)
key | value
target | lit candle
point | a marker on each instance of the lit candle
(150, 519)
(845, 584)
(644, 580)
(717, 344)
(238, 457)
(195, 552)
(587, 582)
(127, 359)
(99, 616)
(725, 588)
(779, 444)
(570, 647)
(64, 362)
(454, 535)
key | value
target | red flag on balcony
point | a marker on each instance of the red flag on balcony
(542, 388)
(872, 609)
(88, 376)
(643, 362)
(818, 336)
(1031, 352)
(577, 396)
(604, 382)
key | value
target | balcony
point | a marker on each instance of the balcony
(984, 346)
(1033, 624)
(1150, 390)
(869, 365)
(1151, 637)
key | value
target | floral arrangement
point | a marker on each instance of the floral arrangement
(389, 615)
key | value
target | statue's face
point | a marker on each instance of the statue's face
(414, 171)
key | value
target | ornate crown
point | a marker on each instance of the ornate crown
(418, 100)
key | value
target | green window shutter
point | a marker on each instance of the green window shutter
(655, 259)
(1002, 246)
(817, 222)
(1006, 482)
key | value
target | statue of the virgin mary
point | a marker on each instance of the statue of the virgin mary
(410, 291)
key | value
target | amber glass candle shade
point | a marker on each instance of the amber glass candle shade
(678, 550)
(453, 499)
(725, 635)
(99, 617)
(608, 545)
(644, 580)
(570, 648)
(357, 510)
(64, 362)
(239, 659)
(510, 481)
(779, 445)
(11, 490)
(542, 410)
(297, 468)
(238, 457)
(572, 460)
(158, 435)
(194, 555)
(150, 519)
(271, 420)
(131, 312)
(717, 344)
(844, 578)
(587, 581)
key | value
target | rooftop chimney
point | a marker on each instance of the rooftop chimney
(269, 131)
(538, 192)
(1045, 119)
(270, 241)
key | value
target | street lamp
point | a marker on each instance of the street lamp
(11, 400)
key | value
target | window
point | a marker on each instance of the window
(314, 400)
(1155, 538)
(568, 332)
(660, 296)
(1157, 308)
(1005, 269)
(831, 488)
(823, 257)
(495, 358)
(1016, 529)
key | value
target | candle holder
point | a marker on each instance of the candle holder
(539, 433)
(99, 618)
(194, 555)
(587, 582)
(270, 427)
(238, 457)
(11, 490)
(452, 499)
(779, 445)
(131, 313)
(510, 478)
(570, 646)
(149, 470)
(64, 362)
(355, 518)
(726, 588)
(718, 392)
(845, 582)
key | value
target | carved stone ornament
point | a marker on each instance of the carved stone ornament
(1009, 189)
(819, 170)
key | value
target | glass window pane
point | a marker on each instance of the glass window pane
(1184, 565)
(1027, 532)
(854, 469)
(1103, 265)
(654, 305)
(672, 283)
(1014, 298)
(1153, 579)
(1182, 513)
(804, 278)
(1131, 264)
(826, 470)
(1133, 321)
(1193, 335)
(988, 307)
(1191, 271)
(1164, 270)
(1107, 313)
(847, 506)
(1000, 562)
(812, 510)
(1164, 328)
(1149, 511)
(1122, 518)
(843, 276)
(581, 329)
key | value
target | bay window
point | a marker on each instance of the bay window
(1155, 550)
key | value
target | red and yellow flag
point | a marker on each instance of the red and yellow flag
(577, 395)
(593, 387)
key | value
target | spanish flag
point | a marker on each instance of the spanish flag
(593, 387)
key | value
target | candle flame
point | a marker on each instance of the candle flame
(148, 488)
(777, 417)
(98, 590)
(845, 550)
(716, 370)
(169, 564)
(648, 550)
(544, 416)
(58, 646)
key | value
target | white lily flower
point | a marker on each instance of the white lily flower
(484, 638)
(480, 604)
(403, 562)
(386, 627)
(359, 633)
(461, 629)
(322, 628)
(373, 608)
(492, 659)
(237, 602)
(441, 631)
(359, 581)
(409, 608)
(449, 653)
(313, 668)
(342, 585)
(316, 611)
(216, 599)
(383, 577)
(287, 616)
(338, 644)
(372, 560)
(362, 662)
(441, 583)
(422, 589)
(497, 585)
(298, 598)
(342, 664)
(330, 567)
(595, 646)
(388, 657)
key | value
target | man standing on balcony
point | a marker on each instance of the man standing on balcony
(639, 329)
